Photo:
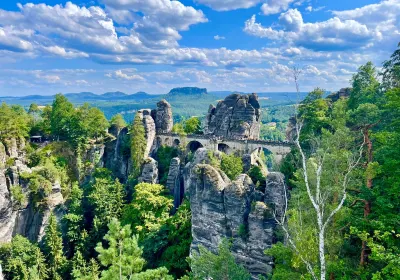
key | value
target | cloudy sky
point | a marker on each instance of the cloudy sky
(50, 46)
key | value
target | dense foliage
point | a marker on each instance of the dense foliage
(100, 232)
(362, 241)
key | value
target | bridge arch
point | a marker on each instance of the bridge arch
(194, 145)
(177, 142)
(222, 147)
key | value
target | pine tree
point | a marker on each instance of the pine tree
(138, 145)
(206, 265)
(122, 257)
(74, 219)
(23, 260)
(53, 248)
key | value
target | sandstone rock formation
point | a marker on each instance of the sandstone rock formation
(163, 117)
(236, 117)
(342, 93)
(117, 154)
(149, 127)
(174, 181)
(222, 208)
(149, 171)
(24, 219)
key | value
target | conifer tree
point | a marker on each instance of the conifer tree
(138, 145)
(53, 248)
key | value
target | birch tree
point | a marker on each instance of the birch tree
(326, 166)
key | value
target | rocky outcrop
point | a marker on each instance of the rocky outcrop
(236, 117)
(117, 153)
(22, 217)
(149, 171)
(149, 127)
(174, 182)
(342, 93)
(163, 117)
(222, 208)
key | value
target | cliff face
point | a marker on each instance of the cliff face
(222, 208)
(22, 217)
(236, 117)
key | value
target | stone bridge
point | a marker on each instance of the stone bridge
(228, 146)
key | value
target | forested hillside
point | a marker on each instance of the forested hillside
(85, 197)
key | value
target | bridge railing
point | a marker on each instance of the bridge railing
(222, 139)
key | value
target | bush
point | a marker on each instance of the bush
(17, 194)
(232, 166)
(257, 177)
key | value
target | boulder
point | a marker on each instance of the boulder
(149, 171)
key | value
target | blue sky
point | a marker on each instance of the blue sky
(154, 45)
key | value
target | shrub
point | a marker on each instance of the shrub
(232, 166)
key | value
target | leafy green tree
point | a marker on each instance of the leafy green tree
(192, 126)
(118, 120)
(178, 128)
(138, 145)
(14, 122)
(45, 123)
(149, 209)
(53, 247)
(391, 70)
(170, 245)
(23, 260)
(164, 156)
(257, 177)
(206, 265)
(91, 122)
(365, 86)
(232, 165)
(61, 117)
(123, 256)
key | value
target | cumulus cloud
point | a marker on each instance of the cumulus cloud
(332, 34)
(71, 31)
(121, 75)
(229, 5)
(275, 6)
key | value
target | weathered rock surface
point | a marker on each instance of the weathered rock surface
(174, 181)
(149, 127)
(149, 171)
(163, 117)
(25, 219)
(342, 93)
(222, 208)
(236, 117)
(117, 153)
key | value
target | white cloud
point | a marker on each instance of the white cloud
(217, 37)
(275, 6)
(309, 8)
(256, 29)
(332, 34)
(229, 5)
(121, 75)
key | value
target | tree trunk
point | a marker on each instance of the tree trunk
(321, 246)
(367, 204)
